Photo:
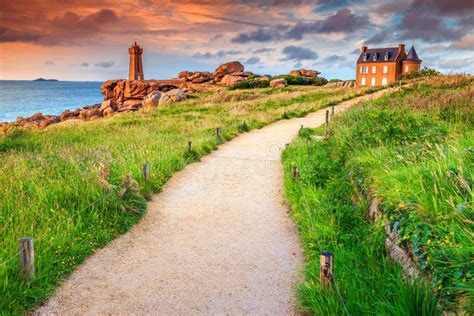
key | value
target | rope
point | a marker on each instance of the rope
(8, 260)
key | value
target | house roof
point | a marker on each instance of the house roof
(380, 57)
(412, 55)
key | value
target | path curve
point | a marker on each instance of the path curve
(216, 240)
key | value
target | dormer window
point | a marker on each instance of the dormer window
(364, 57)
(375, 57)
(387, 56)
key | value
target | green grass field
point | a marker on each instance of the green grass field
(75, 186)
(414, 150)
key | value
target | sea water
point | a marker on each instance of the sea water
(25, 98)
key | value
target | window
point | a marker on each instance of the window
(385, 69)
(374, 58)
(406, 68)
(374, 69)
(364, 69)
(372, 82)
(364, 58)
(362, 82)
(387, 56)
(384, 81)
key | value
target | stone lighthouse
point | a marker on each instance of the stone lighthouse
(136, 68)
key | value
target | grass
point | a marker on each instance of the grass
(74, 187)
(414, 151)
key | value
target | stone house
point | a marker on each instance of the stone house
(381, 66)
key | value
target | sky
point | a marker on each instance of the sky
(88, 40)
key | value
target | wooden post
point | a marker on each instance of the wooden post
(146, 172)
(190, 145)
(326, 260)
(301, 127)
(218, 133)
(332, 110)
(327, 125)
(27, 256)
(295, 173)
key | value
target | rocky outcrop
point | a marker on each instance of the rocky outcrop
(278, 83)
(37, 120)
(226, 69)
(127, 92)
(196, 77)
(308, 73)
(226, 74)
(342, 84)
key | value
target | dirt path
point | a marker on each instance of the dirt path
(217, 240)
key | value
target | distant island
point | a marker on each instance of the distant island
(42, 79)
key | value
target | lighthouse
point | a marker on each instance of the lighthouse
(136, 68)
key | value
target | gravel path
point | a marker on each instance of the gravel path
(216, 240)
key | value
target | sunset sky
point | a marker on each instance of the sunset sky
(88, 40)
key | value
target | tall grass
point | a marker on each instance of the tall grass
(75, 186)
(413, 150)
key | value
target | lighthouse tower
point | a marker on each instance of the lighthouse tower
(136, 68)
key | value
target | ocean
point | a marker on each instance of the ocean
(25, 98)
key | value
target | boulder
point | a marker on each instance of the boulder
(152, 99)
(66, 115)
(131, 103)
(175, 95)
(108, 104)
(230, 79)
(130, 107)
(295, 73)
(164, 99)
(108, 112)
(243, 73)
(227, 68)
(90, 111)
(108, 89)
(278, 83)
(263, 78)
(184, 74)
(36, 117)
(309, 73)
(134, 89)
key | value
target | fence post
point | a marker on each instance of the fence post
(295, 173)
(190, 145)
(326, 261)
(218, 132)
(327, 124)
(301, 127)
(146, 171)
(332, 110)
(27, 256)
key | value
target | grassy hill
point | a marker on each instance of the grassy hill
(77, 185)
(414, 151)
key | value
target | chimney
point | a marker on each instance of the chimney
(401, 48)
(363, 49)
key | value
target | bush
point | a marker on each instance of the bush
(425, 72)
(250, 84)
(292, 80)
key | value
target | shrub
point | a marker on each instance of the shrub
(292, 80)
(250, 84)
(425, 72)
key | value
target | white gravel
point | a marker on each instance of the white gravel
(216, 240)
